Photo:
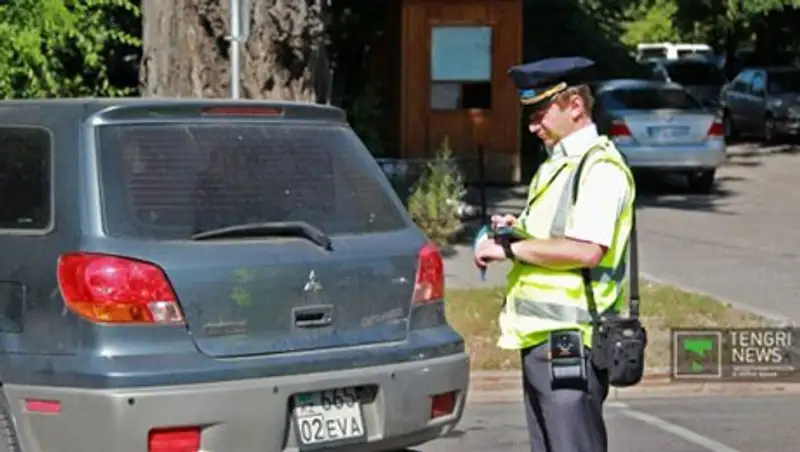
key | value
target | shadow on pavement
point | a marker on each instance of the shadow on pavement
(653, 191)
(671, 192)
(455, 433)
(751, 154)
(668, 192)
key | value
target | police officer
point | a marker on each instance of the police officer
(564, 232)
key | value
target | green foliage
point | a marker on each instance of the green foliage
(715, 22)
(653, 23)
(751, 7)
(589, 28)
(433, 203)
(57, 48)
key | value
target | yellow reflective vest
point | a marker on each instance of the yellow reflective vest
(539, 299)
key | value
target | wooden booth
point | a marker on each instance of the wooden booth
(453, 80)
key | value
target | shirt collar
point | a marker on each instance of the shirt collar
(577, 142)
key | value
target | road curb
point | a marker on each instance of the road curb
(506, 386)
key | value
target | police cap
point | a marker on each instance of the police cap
(539, 82)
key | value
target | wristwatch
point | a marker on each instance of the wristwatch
(506, 245)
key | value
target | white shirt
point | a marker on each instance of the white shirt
(603, 194)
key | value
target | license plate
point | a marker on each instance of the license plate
(664, 133)
(330, 416)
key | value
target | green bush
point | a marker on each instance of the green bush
(435, 198)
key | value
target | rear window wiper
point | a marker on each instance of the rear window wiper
(268, 229)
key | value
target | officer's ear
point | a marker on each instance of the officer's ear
(579, 104)
(575, 106)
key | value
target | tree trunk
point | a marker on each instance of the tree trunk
(186, 50)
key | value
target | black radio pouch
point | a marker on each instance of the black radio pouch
(618, 343)
(568, 360)
(618, 346)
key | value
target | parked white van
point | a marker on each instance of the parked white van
(672, 51)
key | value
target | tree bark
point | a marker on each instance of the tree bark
(186, 50)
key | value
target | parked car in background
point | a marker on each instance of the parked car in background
(746, 58)
(672, 51)
(763, 102)
(187, 275)
(701, 77)
(660, 127)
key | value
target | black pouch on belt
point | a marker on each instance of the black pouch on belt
(567, 359)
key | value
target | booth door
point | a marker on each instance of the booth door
(456, 87)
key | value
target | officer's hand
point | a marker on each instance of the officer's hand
(501, 221)
(488, 251)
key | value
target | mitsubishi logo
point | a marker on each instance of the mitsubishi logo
(312, 286)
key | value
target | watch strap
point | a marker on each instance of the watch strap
(506, 245)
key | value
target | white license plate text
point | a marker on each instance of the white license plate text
(328, 416)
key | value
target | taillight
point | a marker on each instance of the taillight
(717, 129)
(443, 404)
(429, 284)
(43, 406)
(619, 129)
(113, 289)
(186, 439)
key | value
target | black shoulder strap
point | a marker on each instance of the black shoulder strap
(634, 257)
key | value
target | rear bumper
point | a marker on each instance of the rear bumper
(788, 126)
(707, 156)
(244, 416)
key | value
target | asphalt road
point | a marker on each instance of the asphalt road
(684, 424)
(740, 243)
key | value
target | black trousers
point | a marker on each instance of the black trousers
(563, 420)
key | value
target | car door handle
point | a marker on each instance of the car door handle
(313, 316)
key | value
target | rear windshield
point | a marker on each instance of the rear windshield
(695, 73)
(171, 181)
(649, 99)
(784, 82)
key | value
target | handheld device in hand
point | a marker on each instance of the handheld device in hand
(483, 232)
(509, 233)
(567, 359)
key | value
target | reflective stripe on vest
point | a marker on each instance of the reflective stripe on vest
(551, 311)
(560, 303)
(573, 314)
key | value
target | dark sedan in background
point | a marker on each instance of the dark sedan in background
(700, 76)
(763, 102)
